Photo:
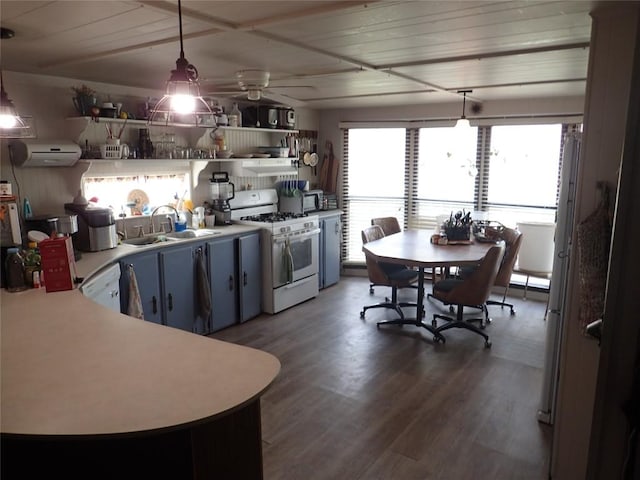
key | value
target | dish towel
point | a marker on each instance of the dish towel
(287, 259)
(204, 290)
(134, 308)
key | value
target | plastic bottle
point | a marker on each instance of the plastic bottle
(15, 270)
(236, 111)
(26, 208)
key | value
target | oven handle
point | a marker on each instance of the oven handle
(283, 238)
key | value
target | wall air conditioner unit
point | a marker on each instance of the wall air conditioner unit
(44, 153)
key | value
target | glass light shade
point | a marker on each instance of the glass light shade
(463, 124)
(183, 104)
(7, 118)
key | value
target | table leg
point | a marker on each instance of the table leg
(437, 336)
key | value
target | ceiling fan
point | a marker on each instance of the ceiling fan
(252, 82)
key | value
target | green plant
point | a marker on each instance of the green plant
(83, 90)
(459, 220)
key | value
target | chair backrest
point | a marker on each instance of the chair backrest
(536, 253)
(375, 272)
(476, 288)
(389, 225)
(512, 239)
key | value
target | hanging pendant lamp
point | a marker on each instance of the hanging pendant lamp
(182, 102)
(12, 125)
(462, 122)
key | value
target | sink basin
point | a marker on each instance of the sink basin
(148, 240)
(190, 233)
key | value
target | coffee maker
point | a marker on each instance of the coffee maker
(222, 190)
(96, 229)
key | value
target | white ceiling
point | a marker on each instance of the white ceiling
(329, 54)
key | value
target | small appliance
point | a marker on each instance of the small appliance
(96, 227)
(222, 190)
(301, 202)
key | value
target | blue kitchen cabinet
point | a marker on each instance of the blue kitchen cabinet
(147, 272)
(329, 252)
(221, 255)
(179, 287)
(249, 276)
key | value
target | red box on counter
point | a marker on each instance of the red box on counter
(58, 263)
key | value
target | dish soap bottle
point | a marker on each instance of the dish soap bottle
(238, 114)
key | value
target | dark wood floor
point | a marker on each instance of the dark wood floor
(356, 402)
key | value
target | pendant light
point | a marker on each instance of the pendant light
(12, 125)
(181, 102)
(463, 123)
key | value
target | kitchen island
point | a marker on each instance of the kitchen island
(91, 393)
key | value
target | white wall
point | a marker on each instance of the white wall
(49, 100)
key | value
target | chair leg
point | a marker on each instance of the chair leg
(503, 303)
(393, 304)
(459, 322)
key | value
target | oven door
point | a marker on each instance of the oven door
(294, 257)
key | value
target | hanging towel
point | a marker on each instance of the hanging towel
(287, 259)
(134, 308)
(204, 290)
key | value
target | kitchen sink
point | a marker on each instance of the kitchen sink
(169, 237)
(148, 240)
(190, 233)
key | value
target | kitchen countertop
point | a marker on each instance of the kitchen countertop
(73, 367)
(92, 262)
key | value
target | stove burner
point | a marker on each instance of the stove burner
(273, 217)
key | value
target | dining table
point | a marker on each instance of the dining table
(413, 248)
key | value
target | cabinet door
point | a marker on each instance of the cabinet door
(145, 266)
(250, 276)
(331, 248)
(178, 282)
(222, 275)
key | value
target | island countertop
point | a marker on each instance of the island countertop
(72, 367)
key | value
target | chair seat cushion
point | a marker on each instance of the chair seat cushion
(447, 284)
(405, 275)
(391, 268)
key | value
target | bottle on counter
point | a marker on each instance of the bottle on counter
(14, 265)
(32, 265)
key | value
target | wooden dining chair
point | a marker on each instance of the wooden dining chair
(512, 239)
(389, 225)
(386, 274)
(472, 291)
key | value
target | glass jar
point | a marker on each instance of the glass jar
(14, 265)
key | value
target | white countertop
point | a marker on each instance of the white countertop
(73, 367)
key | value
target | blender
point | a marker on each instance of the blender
(222, 190)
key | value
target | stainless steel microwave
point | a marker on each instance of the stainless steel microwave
(302, 202)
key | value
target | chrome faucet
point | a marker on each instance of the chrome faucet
(153, 227)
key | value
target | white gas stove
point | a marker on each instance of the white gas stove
(289, 248)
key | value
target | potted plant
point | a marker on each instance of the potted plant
(84, 99)
(458, 227)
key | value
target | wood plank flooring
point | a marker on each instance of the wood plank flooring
(356, 402)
